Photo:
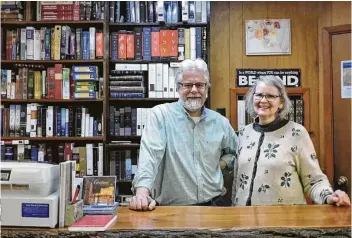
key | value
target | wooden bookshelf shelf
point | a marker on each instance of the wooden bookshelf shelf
(175, 24)
(123, 181)
(52, 101)
(144, 99)
(124, 138)
(54, 22)
(123, 146)
(97, 138)
(143, 61)
(52, 61)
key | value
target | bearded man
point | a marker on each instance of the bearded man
(184, 148)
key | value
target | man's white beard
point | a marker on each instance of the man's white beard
(193, 104)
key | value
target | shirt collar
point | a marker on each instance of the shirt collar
(272, 126)
(203, 114)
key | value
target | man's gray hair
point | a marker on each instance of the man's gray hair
(189, 65)
(271, 81)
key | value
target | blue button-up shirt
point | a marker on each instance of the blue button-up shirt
(179, 158)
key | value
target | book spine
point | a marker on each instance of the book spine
(146, 43)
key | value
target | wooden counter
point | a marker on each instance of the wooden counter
(309, 220)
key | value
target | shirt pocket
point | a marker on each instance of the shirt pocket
(212, 153)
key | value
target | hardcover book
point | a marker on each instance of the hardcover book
(99, 190)
(93, 223)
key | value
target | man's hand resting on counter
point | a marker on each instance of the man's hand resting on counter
(141, 201)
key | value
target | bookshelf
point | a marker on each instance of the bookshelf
(105, 64)
(141, 58)
(59, 144)
(302, 92)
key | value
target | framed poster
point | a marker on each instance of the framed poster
(346, 80)
(268, 37)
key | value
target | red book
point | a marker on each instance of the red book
(93, 223)
(51, 83)
(122, 54)
(130, 44)
(164, 41)
(58, 81)
(173, 44)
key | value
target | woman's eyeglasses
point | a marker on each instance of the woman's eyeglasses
(269, 97)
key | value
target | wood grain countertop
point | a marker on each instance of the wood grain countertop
(185, 221)
(189, 217)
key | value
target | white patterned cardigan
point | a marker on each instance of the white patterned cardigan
(276, 165)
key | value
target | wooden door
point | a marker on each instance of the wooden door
(341, 114)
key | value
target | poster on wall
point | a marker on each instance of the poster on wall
(346, 80)
(247, 77)
(268, 37)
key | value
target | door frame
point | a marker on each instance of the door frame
(328, 32)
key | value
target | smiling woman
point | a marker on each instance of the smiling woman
(276, 161)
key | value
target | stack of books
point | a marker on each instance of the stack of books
(99, 195)
(99, 206)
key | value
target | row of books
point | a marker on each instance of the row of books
(130, 84)
(156, 43)
(296, 113)
(13, 11)
(78, 82)
(22, 150)
(128, 80)
(122, 164)
(35, 120)
(159, 11)
(59, 42)
(88, 157)
(127, 121)
(70, 10)
(52, 10)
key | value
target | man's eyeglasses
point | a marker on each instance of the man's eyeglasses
(269, 97)
(189, 86)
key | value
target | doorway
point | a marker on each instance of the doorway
(337, 116)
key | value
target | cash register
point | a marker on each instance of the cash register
(29, 194)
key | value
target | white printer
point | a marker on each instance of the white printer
(29, 194)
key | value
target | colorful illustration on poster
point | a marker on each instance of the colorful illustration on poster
(268, 37)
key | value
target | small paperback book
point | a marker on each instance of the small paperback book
(99, 195)
(93, 223)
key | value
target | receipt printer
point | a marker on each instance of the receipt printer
(29, 194)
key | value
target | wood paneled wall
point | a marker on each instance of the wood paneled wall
(227, 51)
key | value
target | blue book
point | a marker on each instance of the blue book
(198, 42)
(100, 209)
(63, 121)
(114, 44)
(58, 122)
(147, 43)
(34, 154)
(85, 45)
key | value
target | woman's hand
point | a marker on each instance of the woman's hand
(340, 198)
